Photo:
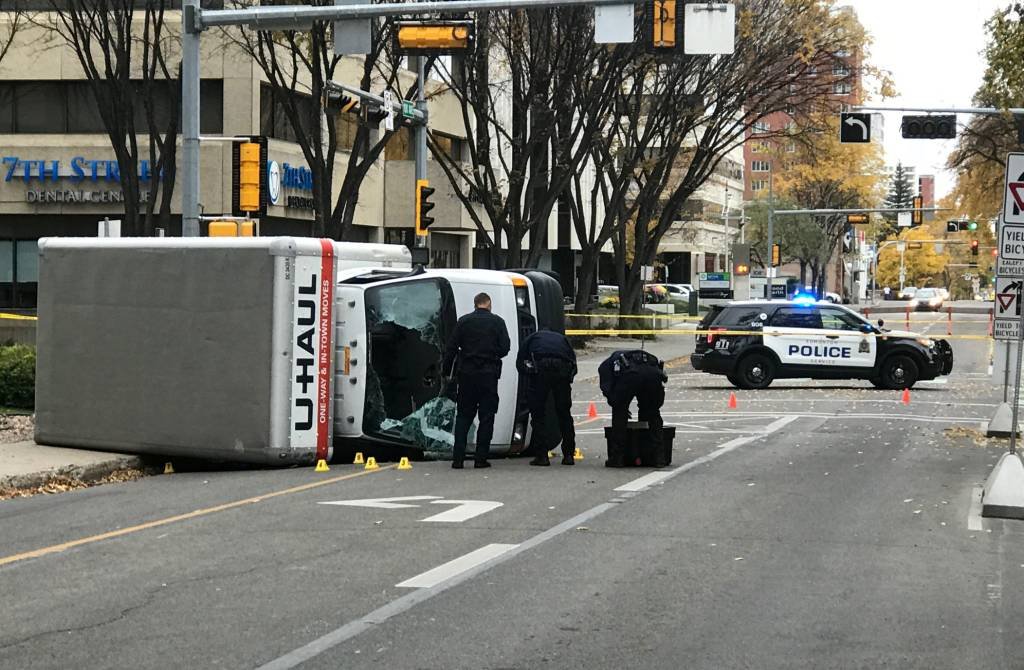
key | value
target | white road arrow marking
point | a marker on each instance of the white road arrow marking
(863, 127)
(381, 503)
(467, 509)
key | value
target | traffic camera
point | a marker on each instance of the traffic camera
(423, 205)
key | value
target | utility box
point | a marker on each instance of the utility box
(204, 347)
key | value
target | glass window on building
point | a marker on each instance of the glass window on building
(19, 273)
(83, 112)
(760, 166)
(39, 107)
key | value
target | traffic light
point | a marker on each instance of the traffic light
(968, 225)
(930, 127)
(857, 218)
(917, 216)
(974, 247)
(423, 205)
(741, 260)
(433, 38)
(341, 102)
(666, 24)
(776, 255)
(372, 116)
(249, 177)
(952, 226)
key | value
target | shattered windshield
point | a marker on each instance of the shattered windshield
(407, 326)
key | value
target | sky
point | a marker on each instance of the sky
(933, 50)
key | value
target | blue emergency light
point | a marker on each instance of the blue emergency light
(803, 299)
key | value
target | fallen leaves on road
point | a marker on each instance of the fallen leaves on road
(976, 437)
(63, 483)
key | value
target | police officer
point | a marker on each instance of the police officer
(633, 374)
(479, 342)
(549, 365)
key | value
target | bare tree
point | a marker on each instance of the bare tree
(125, 51)
(520, 94)
(298, 67)
(664, 151)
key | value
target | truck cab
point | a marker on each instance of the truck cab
(393, 328)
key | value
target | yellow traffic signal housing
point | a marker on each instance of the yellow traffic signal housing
(776, 255)
(433, 37)
(857, 218)
(249, 177)
(423, 206)
(666, 27)
(917, 216)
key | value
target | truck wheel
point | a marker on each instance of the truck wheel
(755, 371)
(899, 372)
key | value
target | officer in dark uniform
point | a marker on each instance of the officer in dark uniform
(479, 342)
(549, 365)
(633, 374)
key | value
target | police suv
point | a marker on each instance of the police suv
(761, 341)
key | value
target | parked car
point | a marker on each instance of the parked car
(925, 299)
(681, 290)
(677, 294)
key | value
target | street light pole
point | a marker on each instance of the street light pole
(771, 234)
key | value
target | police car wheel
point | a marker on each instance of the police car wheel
(877, 383)
(755, 371)
(899, 372)
(735, 381)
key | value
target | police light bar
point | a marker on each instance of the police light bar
(803, 299)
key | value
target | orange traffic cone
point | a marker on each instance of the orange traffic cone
(592, 411)
(732, 400)
(906, 397)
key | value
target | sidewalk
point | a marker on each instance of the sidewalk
(26, 464)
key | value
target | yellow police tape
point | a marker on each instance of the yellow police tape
(698, 333)
(17, 317)
(668, 317)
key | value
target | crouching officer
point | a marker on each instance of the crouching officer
(633, 374)
(479, 341)
(549, 366)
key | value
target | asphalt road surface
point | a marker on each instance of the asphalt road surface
(817, 525)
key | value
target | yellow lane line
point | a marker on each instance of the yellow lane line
(56, 548)
(17, 317)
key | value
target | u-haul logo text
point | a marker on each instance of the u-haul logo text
(306, 322)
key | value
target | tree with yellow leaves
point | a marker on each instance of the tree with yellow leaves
(924, 266)
(823, 173)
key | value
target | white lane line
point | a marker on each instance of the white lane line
(846, 401)
(974, 513)
(656, 477)
(411, 599)
(456, 566)
(940, 381)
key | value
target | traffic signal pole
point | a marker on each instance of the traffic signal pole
(420, 138)
(195, 19)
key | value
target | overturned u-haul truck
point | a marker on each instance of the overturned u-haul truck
(267, 350)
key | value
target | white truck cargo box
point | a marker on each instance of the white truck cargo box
(205, 347)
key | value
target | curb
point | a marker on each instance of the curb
(85, 473)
